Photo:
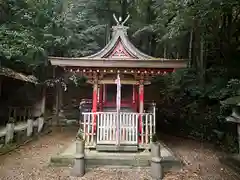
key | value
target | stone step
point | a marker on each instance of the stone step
(121, 148)
(116, 159)
(129, 160)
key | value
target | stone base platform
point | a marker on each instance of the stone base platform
(116, 159)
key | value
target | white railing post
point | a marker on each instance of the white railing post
(89, 123)
(146, 128)
(29, 127)
(40, 124)
(154, 118)
(92, 129)
(106, 123)
(9, 132)
(142, 130)
(151, 127)
(84, 125)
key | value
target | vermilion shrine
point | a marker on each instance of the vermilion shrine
(132, 128)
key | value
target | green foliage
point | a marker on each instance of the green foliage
(76, 80)
(33, 29)
(191, 109)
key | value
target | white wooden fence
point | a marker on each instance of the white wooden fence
(10, 129)
(134, 128)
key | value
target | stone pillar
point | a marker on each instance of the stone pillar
(238, 130)
(79, 164)
(156, 167)
(29, 127)
(9, 132)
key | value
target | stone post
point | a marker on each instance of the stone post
(9, 132)
(79, 164)
(238, 131)
(40, 124)
(156, 167)
(29, 127)
(235, 117)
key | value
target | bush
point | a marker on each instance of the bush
(193, 110)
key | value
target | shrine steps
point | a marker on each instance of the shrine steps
(116, 159)
(114, 148)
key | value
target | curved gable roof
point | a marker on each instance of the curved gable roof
(120, 53)
(119, 39)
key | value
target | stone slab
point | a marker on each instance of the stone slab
(122, 148)
(116, 159)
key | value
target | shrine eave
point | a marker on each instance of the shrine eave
(118, 63)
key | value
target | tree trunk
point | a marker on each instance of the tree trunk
(165, 51)
(57, 105)
(202, 63)
(196, 47)
(190, 48)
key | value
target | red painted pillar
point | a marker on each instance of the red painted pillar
(141, 98)
(101, 97)
(136, 99)
(133, 94)
(104, 93)
(141, 104)
(94, 104)
(133, 97)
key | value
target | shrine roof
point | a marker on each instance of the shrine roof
(120, 47)
(7, 72)
(119, 52)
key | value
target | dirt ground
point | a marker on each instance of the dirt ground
(200, 159)
(31, 162)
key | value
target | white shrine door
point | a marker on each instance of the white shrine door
(107, 128)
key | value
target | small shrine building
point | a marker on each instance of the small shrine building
(104, 127)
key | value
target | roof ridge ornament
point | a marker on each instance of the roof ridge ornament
(119, 20)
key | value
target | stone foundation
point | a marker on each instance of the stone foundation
(116, 159)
